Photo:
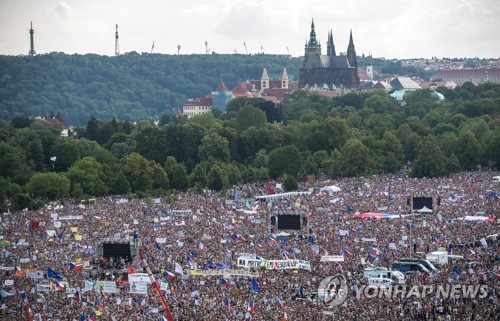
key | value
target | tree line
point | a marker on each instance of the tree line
(131, 86)
(309, 134)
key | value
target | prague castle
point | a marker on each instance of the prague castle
(332, 70)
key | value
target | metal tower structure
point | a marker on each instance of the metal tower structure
(32, 41)
(117, 46)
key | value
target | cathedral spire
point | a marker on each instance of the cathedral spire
(313, 43)
(313, 46)
(330, 46)
(351, 52)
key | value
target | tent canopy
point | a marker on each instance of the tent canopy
(424, 210)
(330, 189)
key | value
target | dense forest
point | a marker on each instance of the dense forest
(351, 135)
(132, 86)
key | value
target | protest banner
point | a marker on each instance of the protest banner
(332, 258)
(35, 274)
(106, 287)
(274, 264)
(71, 217)
(139, 287)
(139, 277)
(234, 272)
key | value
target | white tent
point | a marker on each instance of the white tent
(424, 210)
(283, 234)
(330, 189)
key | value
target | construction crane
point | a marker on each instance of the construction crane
(244, 44)
(163, 301)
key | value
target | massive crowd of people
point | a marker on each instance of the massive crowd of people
(221, 227)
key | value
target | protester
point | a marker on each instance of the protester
(210, 231)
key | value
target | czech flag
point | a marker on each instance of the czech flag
(97, 218)
(347, 253)
(226, 282)
(338, 266)
(250, 307)
(271, 240)
(75, 266)
(472, 253)
(168, 275)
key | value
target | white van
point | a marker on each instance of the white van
(383, 273)
(380, 282)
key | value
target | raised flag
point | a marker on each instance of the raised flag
(347, 253)
(472, 253)
(24, 296)
(449, 250)
(227, 303)
(97, 218)
(77, 296)
(178, 268)
(52, 274)
(250, 307)
(75, 266)
(168, 275)
(456, 271)
(338, 266)
(255, 286)
(158, 247)
(271, 240)
(226, 282)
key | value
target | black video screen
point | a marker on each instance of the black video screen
(420, 202)
(116, 250)
(288, 222)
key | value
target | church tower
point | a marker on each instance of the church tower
(264, 80)
(330, 47)
(313, 47)
(351, 53)
(284, 79)
(32, 41)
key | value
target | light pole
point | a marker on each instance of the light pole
(53, 160)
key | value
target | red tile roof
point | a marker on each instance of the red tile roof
(221, 87)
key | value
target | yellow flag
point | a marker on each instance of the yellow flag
(98, 313)
(78, 237)
(74, 229)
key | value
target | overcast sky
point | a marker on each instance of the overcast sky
(384, 28)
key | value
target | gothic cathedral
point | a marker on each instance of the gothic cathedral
(332, 70)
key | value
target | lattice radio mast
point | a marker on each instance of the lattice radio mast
(32, 41)
(117, 46)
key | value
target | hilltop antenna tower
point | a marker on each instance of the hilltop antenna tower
(244, 44)
(206, 47)
(117, 46)
(32, 41)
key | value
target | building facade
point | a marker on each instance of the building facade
(332, 70)
(476, 76)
